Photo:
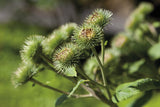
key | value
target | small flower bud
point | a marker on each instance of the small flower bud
(66, 57)
(131, 44)
(32, 49)
(88, 36)
(57, 37)
(108, 57)
(123, 43)
(23, 74)
(120, 41)
(99, 17)
(111, 57)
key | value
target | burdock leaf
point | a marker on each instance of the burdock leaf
(60, 100)
(142, 100)
(136, 66)
(154, 51)
(128, 90)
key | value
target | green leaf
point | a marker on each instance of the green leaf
(64, 97)
(154, 51)
(77, 85)
(127, 90)
(136, 65)
(105, 43)
(60, 100)
(70, 71)
(142, 100)
(89, 66)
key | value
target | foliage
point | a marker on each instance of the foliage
(126, 68)
(127, 90)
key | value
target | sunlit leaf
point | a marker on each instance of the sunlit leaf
(127, 90)
(154, 51)
(136, 65)
(142, 100)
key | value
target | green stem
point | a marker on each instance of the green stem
(100, 65)
(99, 97)
(46, 86)
(102, 71)
(102, 51)
(151, 41)
(87, 77)
(58, 90)
(47, 60)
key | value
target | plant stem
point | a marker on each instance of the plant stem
(102, 71)
(100, 65)
(47, 86)
(58, 90)
(102, 51)
(87, 77)
(152, 30)
(99, 96)
(95, 93)
(47, 60)
(151, 41)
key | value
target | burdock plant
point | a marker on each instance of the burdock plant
(127, 67)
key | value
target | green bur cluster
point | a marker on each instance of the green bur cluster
(124, 69)
(66, 45)
(38, 49)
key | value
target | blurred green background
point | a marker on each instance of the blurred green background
(21, 18)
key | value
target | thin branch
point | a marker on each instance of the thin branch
(47, 86)
(90, 90)
(58, 90)
(102, 72)
(151, 41)
(83, 96)
(87, 77)
(98, 95)
(100, 65)
(152, 30)
(102, 51)
(47, 61)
